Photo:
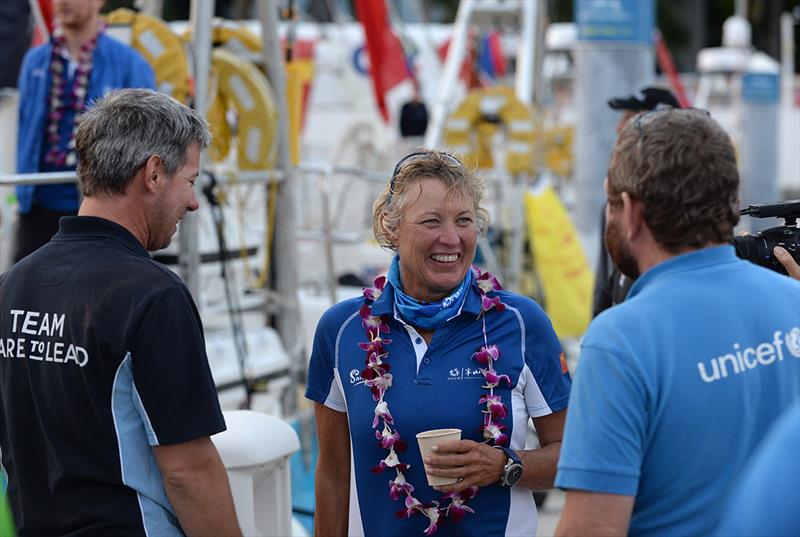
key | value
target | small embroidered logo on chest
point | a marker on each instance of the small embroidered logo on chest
(464, 373)
(355, 377)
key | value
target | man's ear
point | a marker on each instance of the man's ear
(632, 215)
(153, 173)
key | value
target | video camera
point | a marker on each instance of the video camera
(758, 248)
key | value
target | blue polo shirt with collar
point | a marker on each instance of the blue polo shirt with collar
(437, 386)
(677, 385)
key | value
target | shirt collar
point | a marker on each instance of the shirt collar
(384, 305)
(697, 259)
(72, 227)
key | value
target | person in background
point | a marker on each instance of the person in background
(435, 344)
(678, 384)
(611, 286)
(107, 403)
(56, 83)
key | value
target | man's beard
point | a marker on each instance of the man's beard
(620, 252)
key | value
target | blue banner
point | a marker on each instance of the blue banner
(628, 21)
(761, 88)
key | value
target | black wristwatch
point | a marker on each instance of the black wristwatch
(512, 472)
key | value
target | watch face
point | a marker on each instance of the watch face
(514, 474)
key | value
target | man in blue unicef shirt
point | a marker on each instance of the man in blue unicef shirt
(677, 385)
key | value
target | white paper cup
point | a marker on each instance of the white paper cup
(428, 439)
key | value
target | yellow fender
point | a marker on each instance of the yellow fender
(162, 49)
(558, 150)
(470, 128)
(242, 89)
(236, 36)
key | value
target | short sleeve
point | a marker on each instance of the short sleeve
(171, 372)
(322, 386)
(606, 425)
(548, 389)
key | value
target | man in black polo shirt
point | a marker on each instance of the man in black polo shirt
(106, 397)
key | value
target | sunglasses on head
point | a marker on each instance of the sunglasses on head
(416, 155)
(642, 120)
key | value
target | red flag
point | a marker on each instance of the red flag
(466, 73)
(668, 67)
(46, 8)
(386, 57)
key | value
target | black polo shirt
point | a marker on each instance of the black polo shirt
(101, 357)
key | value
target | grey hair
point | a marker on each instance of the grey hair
(390, 205)
(123, 129)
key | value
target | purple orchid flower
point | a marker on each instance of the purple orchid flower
(381, 382)
(457, 507)
(382, 411)
(460, 497)
(375, 370)
(378, 386)
(494, 406)
(433, 513)
(391, 461)
(374, 325)
(493, 379)
(488, 283)
(484, 353)
(494, 431)
(388, 439)
(375, 359)
(399, 486)
(375, 351)
(489, 303)
(373, 293)
(411, 508)
(459, 510)
(379, 283)
(375, 346)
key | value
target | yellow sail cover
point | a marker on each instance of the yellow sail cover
(560, 262)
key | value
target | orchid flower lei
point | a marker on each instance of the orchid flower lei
(378, 379)
(60, 101)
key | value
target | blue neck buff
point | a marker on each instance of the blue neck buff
(428, 316)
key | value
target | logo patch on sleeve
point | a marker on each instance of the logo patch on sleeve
(563, 359)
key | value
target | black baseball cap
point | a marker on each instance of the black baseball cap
(644, 99)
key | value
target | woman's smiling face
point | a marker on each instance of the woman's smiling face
(436, 239)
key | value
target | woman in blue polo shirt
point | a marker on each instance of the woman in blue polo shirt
(434, 344)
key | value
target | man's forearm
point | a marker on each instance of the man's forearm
(202, 501)
(332, 505)
(539, 466)
(590, 514)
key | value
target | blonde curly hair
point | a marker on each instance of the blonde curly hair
(390, 205)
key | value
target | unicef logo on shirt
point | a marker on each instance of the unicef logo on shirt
(792, 340)
(742, 359)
